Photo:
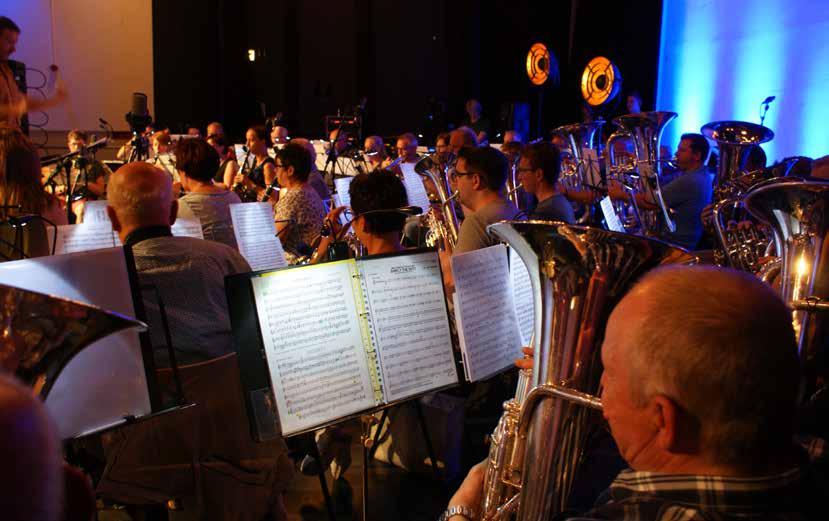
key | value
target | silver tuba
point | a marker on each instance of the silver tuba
(578, 274)
(739, 247)
(798, 213)
(645, 129)
(578, 136)
(443, 222)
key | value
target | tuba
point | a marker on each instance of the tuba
(645, 130)
(797, 211)
(578, 136)
(443, 221)
(739, 247)
(578, 274)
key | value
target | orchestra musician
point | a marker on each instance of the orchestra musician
(228, 167)
(706, 434)
(538, 171)
(253, 184)
(162, 146)
(375, 153)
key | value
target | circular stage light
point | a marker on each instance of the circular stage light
(600, 81)
(538, 64)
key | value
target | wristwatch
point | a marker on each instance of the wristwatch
(457, 510)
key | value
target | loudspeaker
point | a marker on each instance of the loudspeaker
(19, 73)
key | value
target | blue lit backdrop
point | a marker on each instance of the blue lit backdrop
(720, 59)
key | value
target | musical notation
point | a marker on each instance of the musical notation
(314, 346)
(522, 293)
(414, 186)
(488, 327)
(408, 312)
(256, 237)
(73, 238)
(187, 228)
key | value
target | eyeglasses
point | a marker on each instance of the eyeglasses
(456, 174)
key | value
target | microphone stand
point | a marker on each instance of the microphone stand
(765, 106)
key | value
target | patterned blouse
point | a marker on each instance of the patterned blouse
(302, 208)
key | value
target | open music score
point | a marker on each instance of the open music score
(255, 233)
(348, 336)
(73, 238)
(488, 328)
(414, 187)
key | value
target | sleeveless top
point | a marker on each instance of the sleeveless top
(257, 174)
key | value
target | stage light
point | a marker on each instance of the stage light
(252, 55)
(600, 81)
(538, 64)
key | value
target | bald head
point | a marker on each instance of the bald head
(462, 137)
(720, 344)
(140, 195)
(31, 482)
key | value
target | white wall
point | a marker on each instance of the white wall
(103, 48)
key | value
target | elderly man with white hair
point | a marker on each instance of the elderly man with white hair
(700, 388)
(189, 273)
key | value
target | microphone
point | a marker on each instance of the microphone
(768, 100)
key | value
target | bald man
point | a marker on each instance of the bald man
(375, 152)
(407, 148)
(189, 273)
(700, 388)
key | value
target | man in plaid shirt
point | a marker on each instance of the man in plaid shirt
(700, 387)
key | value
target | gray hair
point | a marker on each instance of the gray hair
(720, 343)
(140, 193)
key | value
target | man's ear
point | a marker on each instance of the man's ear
(173, 211)
(665, 415)
(477, 182)
(113, 217)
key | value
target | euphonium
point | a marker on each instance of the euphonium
(578, 274)
(739, 248)
(797, 211)
(645, 129)
(443, 223)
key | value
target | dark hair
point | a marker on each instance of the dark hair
(196, 158)
(546, 156)
(491, 164)
(295, 155)
(7, 24)
(443, 136)
(754, 158)
(379, 190)
(698, 144)
(262, 134)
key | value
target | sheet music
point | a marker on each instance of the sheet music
(414, 186)
(187, 228)
(313, 343)
(590, 168)
(341, 185)
(522, 292)
(256, 235)
(72, 238)
(95, 212)
(489, 333)
(408, 313)
(610, 218)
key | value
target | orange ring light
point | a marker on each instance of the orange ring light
(600, 81)
(538, 64)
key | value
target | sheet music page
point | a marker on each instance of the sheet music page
(187, 228)
(313, 343)
(95, 212)
(72, 238)
(414, 186)
(408, 313)
(341, 185)
(522, 292)
(590, 172)
(611, 219)
(489, 334)
(255, 234)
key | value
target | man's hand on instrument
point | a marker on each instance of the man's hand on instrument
(527, 362)
(471, 490)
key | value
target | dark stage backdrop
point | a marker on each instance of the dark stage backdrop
(415, 62)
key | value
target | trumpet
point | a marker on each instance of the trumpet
(443, 222)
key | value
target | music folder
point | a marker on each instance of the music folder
(321, 343)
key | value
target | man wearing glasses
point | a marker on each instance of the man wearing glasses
(538, 171)
(480, 176)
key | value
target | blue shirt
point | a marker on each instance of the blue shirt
(687, 195)
(554, 208)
